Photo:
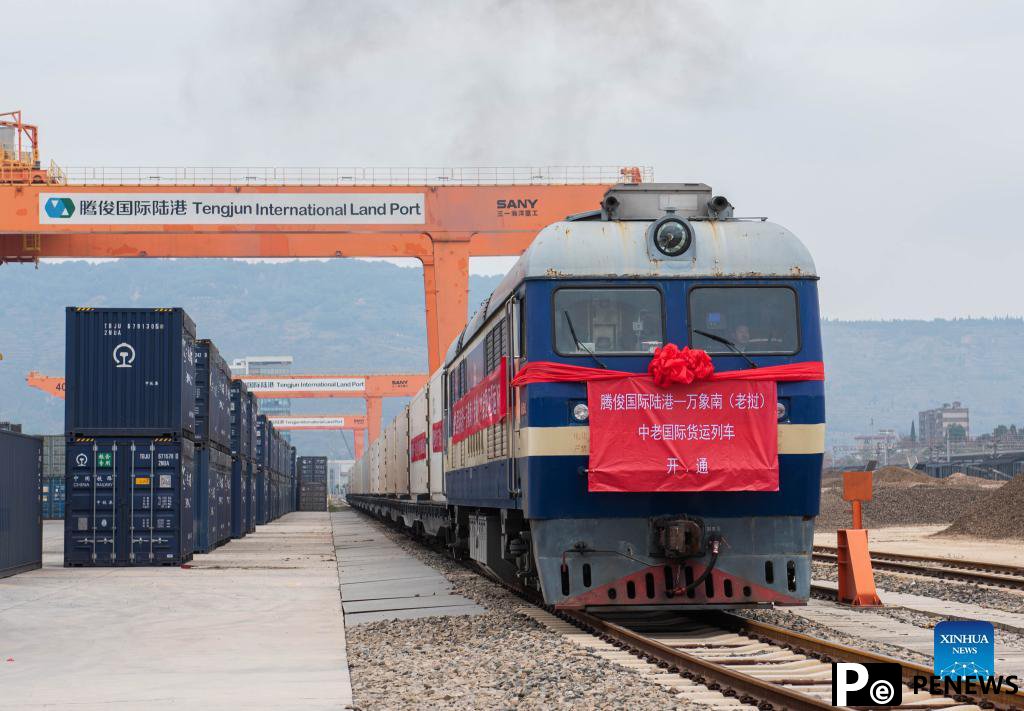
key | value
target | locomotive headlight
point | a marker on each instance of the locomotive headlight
(581, 412)
(780, 410)
(672, 236)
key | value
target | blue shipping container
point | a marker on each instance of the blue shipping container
(261, 495)
(129, 501)
(21, 525)
(52, 497)
(129, 372)
(254, 411)
(213, 396)
(240, 490)
(241, 416)
(250, 512)
(263, 427)
(212, 498)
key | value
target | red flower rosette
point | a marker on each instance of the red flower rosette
(671, 365)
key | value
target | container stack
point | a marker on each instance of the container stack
(21, 528)
(241, 458)
(263, 445)
(212, 487)
(51, 484)
(130, 427)
(312, 483)
(250, 512)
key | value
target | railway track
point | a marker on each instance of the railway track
(752, 664)
(971, 571)
(755, 664)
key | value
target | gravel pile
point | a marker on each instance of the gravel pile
(999, 514)
(901, 475)
(961, 479)
(901, 503)
(951, 590)
(496, 660)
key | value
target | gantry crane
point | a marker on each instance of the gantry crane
(441, 217)
(354, 423)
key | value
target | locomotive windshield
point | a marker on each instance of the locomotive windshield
(611, 321)
(759, 320)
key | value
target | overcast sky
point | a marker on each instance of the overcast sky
(888, 135)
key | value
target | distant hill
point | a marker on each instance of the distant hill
(352, 315)
(879, 374)
(341, 315)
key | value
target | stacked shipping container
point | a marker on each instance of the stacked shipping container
(51, 489)
(130, 424)
(312, 473)
(241, 458)
(161, 452)
(212, 497)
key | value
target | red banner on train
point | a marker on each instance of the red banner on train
(437, 436)
(418, 447)
(481, 407)
(706, 436)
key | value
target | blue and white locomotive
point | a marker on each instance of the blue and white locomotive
(656, 264)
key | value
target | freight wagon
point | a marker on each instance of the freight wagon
(507, 475)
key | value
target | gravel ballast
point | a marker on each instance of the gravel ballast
(496, 660)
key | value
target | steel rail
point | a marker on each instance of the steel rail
(835, 652)
(748, 689)
(1008, 576)
(717, 677)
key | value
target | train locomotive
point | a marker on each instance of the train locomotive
(655, 264)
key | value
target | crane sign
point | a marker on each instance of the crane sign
(356, 423)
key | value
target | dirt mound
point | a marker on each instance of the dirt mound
(901, 475)
(901, 504)
(961, 479)
(999, 514)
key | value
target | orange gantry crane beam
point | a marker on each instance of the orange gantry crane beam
(441, 217)
(443, 227)
(355, 423)
(51, 384)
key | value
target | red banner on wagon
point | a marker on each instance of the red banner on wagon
(706, 436)
(418, 447)
(485, 404)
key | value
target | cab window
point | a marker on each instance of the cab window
(758, 320)
(610, 321)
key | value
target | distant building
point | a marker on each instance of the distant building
(267, 365)
(934, 424)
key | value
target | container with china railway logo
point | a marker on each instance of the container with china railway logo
(129, 501)
(130, 372)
